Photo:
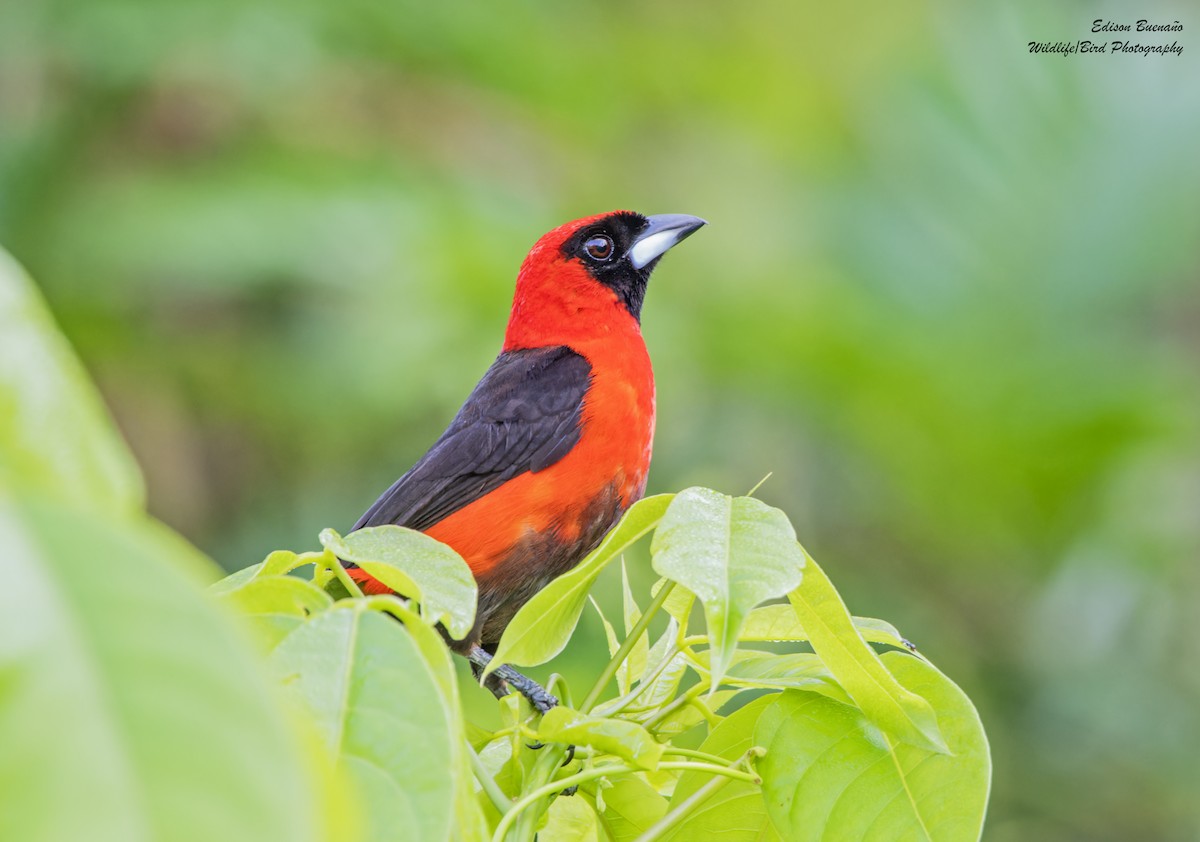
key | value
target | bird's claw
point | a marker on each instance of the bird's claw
(505, 676)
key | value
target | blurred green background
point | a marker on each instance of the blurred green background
(948, 297)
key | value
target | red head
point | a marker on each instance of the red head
(588, 278)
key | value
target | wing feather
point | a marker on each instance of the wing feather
(524, 415)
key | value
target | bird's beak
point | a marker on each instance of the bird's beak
(663, 231)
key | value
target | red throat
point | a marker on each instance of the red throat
(558, 302)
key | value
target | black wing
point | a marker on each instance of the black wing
(524, 415)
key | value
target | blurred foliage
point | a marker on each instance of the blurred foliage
(124, 692)
(948, 296)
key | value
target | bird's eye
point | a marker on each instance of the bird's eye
(599, 247)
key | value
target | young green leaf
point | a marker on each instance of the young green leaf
(276, 605)
(543, 626)
(286, 595)
(829, 774)
(234, 580)
(381, 713)
(690, 715)
(895, 709)
(767, 670)
(633, 666)
(780, 623)
(414, 565)
(736, 812)
(279, 562)
(679, 603)
(610, 637)
(732, 553)
(619, 737)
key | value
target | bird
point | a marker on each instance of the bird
(553, 444)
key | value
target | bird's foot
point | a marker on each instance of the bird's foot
(504, 677)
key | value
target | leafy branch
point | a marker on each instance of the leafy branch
(851, 711)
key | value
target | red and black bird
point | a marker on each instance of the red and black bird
(553, 444)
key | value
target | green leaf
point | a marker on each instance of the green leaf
(631, 807)
(780, 623)
(55, 433)
(571, 820)
(288, 595)
(896, 710)
(830, 774)
(132, 708)
(736, 812)
(279, 562)
(683, 719)
(732, 553)
(469, 822)
(679, 603)
(275, 605)
(381, 712)
(665, 668)
(610, 638)
(619, 737)
(768, 670)
(234, 580)
(634, 665)
(543, 626)
(414, 565)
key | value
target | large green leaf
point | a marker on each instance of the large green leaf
(415, 565)
(469, 822)
(543, 626)
(631, 807)
(55, 433)
(130, 708)
(736, 812)
(830, 774)
(732, 553)
(382, 714)
(895, 709)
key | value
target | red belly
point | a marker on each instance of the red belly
(613, 454)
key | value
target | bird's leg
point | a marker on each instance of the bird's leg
(506, 675)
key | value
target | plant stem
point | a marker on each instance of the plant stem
(637, 631)
(675, 816)
(698, 755)
(388, 603)
(725, 771)
(499, 800)
(544, 769)
(334, 565)
(551, 788)
(506, 822)
(686, 699)
(558, 686)
(614, 706)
